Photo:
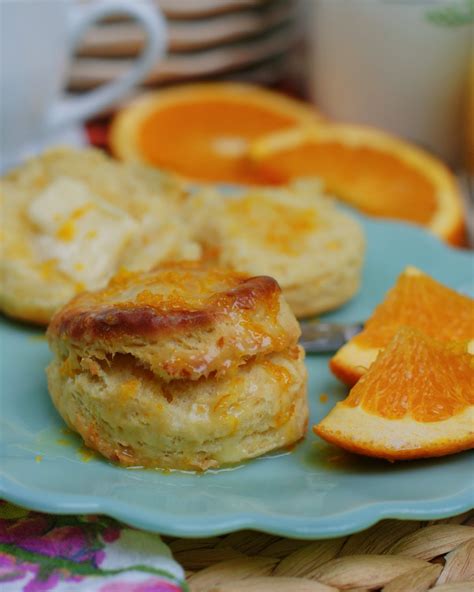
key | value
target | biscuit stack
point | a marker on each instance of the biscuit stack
(183, 367)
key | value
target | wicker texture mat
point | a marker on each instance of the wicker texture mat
(392, 556)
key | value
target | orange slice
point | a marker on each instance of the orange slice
(415, 401)
(203, 131)
(371, 170)
(418, 301)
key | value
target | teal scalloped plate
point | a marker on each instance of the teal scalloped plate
(314, 491)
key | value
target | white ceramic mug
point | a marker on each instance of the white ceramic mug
(396, 64)
(37, 39)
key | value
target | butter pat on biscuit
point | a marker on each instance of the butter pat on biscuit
(82, 232)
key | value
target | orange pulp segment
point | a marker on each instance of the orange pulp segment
(415, 401)
(416, 300)
(203, 131)
(371, 170)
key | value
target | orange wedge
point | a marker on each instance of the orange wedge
(371, 170)
(203, 131)
(415, 401)
(417, 301)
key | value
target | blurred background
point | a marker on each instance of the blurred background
(403, 66)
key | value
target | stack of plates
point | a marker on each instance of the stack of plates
(243, 39)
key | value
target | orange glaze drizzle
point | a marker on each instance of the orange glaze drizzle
(224, 410)
(67, 230)
(128, 390)
(191, 288)
(171, 301)
(281, 227)
(47, 268)
(190, 291)
(284, 378)
(122, 277)
(68, 368)
(278, 373)
(284, 415)
(254, 334)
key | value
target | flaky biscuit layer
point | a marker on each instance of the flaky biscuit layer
(128, 415)
(181, 321)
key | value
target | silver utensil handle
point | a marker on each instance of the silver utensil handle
(319, 337)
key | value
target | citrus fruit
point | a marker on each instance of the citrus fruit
(371, 170)
(415, 401)
(202, 131)
(416, 300)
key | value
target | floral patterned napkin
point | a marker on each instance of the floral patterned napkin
(41, 552)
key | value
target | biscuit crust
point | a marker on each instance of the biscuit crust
(181, 321)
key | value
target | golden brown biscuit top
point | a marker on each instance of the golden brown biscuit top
(173, 296)
(181, 321)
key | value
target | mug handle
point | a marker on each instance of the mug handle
(69, 110)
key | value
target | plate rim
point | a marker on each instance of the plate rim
(351, 521)
(318, 527)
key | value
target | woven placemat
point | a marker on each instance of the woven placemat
(392, 556)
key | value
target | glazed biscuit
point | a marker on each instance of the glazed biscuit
(296, 235)
(72, 218)
(180, 321)
(184, 367)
